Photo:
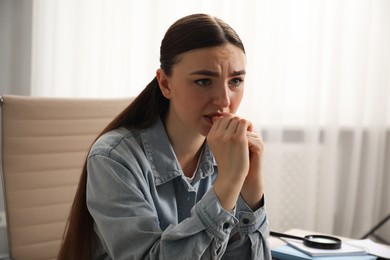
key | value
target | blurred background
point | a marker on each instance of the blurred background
(317, 88)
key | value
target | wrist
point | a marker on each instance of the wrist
(227, 193)
(254, 201)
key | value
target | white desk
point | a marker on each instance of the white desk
(274, 241)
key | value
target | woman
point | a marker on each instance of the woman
(177, 175)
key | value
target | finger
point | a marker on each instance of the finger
(219, 117)
(253, 135)
(255, 142)
(243, 126)
(233, 126)
(250, 127)
(216, 123)
(224, 122)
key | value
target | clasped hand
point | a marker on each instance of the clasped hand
(238, 151)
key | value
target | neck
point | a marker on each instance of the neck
(187, 152)
(187, 147)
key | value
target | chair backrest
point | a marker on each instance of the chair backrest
(44, 144)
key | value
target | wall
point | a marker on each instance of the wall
(15, 47)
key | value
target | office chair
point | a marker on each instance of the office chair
(44, 143)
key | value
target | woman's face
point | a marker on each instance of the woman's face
(204, 83)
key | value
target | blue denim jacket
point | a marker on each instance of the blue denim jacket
(144, 208)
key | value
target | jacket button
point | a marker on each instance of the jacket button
(245, 221)
(226, 225)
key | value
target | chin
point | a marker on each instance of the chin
(205, 131)
(204, 134)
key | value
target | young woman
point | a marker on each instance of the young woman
(177, 175)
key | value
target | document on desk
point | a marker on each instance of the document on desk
(373, 248)
(345, 250)
(287, 252)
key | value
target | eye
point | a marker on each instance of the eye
(235, 82)
(203, 82)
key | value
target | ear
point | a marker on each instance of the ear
(163, 82)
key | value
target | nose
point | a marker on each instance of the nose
(222, 96)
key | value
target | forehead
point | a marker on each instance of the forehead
(218, 58)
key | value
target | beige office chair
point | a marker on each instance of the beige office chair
(44, 144)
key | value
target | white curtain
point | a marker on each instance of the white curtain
(318, 90)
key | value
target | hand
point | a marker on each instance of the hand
(253, 188)
(229, 143)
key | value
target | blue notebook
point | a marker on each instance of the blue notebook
(286, 252)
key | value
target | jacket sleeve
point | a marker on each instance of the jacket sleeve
(127, 224)
(253, 230)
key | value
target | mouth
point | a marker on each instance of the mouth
(209, 117)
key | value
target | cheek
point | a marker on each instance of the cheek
(235, 101)
(187, 100)
(191, 97)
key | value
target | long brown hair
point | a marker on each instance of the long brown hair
(188, 33)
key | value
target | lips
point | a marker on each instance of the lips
(209, 117)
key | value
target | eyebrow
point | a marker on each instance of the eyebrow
(215, 74)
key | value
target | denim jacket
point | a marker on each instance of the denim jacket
(144, 208)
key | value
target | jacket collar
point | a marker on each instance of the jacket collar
(162, 158)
